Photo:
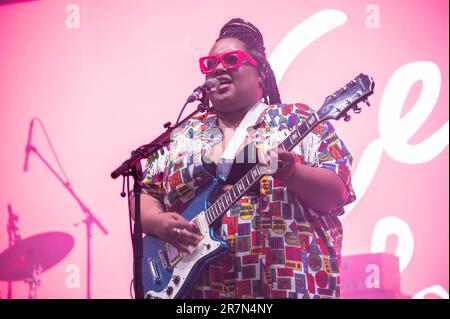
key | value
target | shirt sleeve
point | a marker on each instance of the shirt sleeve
(157, 168)
(325, 149)
(153, 174)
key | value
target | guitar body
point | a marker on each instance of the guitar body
(167, 273)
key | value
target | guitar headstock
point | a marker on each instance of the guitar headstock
(347, 98)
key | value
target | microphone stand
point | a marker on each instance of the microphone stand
(132, 167)
(88, 221)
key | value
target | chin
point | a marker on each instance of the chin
(221, 102)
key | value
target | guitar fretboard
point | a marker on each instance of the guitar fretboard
(232, 195)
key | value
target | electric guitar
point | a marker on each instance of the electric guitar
(167, 272)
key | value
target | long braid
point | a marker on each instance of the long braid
(271, 87)
(253, 40)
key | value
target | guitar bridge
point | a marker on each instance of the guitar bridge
(154, 270)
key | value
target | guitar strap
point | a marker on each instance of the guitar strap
(226, 161)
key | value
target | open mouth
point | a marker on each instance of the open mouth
(224, 81)
(224, 84)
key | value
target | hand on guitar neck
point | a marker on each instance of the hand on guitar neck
(317, 188)
(277, 162)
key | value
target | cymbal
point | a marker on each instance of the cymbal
(44, 250)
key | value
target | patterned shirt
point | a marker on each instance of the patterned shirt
(279, 247)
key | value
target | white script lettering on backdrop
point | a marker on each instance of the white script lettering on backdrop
(395, 131)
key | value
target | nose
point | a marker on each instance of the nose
(220, 69)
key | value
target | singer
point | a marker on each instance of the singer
(285, 234)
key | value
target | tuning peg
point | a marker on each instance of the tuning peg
(367, 102)
(357, 110)
(167, 125)
(347, 118)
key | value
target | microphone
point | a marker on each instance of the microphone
(210, 85)
(28, 148)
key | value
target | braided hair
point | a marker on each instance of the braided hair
(254, 43)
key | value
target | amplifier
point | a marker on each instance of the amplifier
(370, 276)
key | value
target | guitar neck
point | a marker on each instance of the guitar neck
(232, 195)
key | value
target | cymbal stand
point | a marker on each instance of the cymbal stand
(33, 282)
(13, 237)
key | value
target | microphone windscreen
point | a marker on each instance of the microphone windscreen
(213, 84)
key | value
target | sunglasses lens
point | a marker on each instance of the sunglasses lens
(210, 63)
(231, 60)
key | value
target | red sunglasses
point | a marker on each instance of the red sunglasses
(230, 60)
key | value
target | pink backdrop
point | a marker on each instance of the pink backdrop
(104, 76)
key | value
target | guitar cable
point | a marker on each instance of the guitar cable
(131, 228)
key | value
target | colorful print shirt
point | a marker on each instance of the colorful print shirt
(279, 247)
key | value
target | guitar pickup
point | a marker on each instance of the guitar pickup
(173, 255)
(164, 259)
(198, 226)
